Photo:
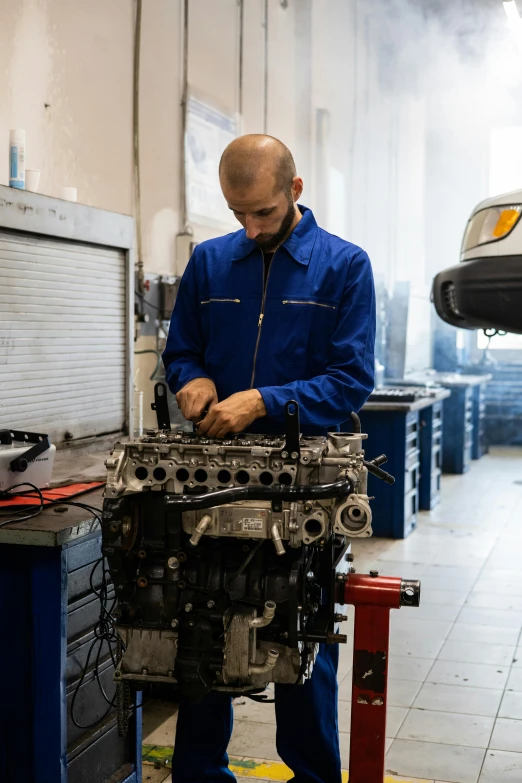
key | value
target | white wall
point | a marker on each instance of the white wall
(378, 105)
(66, 78)
(76, 56)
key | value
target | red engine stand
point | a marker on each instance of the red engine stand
(373, 596)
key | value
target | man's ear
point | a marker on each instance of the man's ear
(297, 188)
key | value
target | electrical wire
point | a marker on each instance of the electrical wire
(157, 354)
(105, 628)
(147, 302)
(28, 512)
(104, 633)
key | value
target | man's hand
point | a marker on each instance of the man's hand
(233, 414)
(196, 397)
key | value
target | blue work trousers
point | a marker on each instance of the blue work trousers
(307, 730)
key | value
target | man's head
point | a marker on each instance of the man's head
(258, 179)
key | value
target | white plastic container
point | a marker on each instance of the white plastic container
(39, 472)
(69, 194)
(17, 159)
(32, 180)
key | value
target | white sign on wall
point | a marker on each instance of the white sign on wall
(208, 132)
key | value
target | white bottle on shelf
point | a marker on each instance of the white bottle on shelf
(17, 159)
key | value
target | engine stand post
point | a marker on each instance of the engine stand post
(373, 597)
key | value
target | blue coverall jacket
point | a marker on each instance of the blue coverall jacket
(308, 336)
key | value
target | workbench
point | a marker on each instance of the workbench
(409, 433)
(48, 612)
(464, 411)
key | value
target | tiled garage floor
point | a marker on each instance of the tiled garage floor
(455, 689)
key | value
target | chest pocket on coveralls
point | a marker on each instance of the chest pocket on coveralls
(220, 317)
(306, 326)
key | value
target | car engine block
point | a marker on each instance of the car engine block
(225, 553)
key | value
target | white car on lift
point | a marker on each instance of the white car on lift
(485, 289)
(494, 228)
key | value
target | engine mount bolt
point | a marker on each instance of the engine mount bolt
(173, 563)
(294, 455)
(336, 638)
(284, 454)
(174, 623)
(350, 557)
(211, 604)
(142, 581)
(342, 577)
(374, 573)
(340, 618)
(188, 607)
(142, 554)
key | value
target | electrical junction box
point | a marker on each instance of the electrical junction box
(18, 465)
(168, 289)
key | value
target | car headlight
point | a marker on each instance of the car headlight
(491, 224)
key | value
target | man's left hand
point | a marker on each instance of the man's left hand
(233, 414)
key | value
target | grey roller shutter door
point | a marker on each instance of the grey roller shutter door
(62, 337)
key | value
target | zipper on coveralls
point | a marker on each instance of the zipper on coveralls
(303, 302)
(261, 315)
(208, 301)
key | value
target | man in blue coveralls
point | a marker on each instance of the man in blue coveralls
(280, 310)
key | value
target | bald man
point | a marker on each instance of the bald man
(280, 310)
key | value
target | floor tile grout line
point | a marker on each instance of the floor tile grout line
(504, 691)
(496, 540)
(465, 601)
(448, 744)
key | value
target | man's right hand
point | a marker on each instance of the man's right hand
(196, 397)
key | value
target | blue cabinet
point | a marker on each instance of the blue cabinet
(478, 446)
(458, 430)
(396, 434)
(49, 610)
(431, 419)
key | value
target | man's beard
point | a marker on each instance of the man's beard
(268, 242)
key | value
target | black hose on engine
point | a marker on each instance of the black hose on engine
(280, 493)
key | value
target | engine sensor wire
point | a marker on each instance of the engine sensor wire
(105, 630)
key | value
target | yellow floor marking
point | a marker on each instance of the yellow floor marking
(267, 770)
(248, 768)
(273, 770)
